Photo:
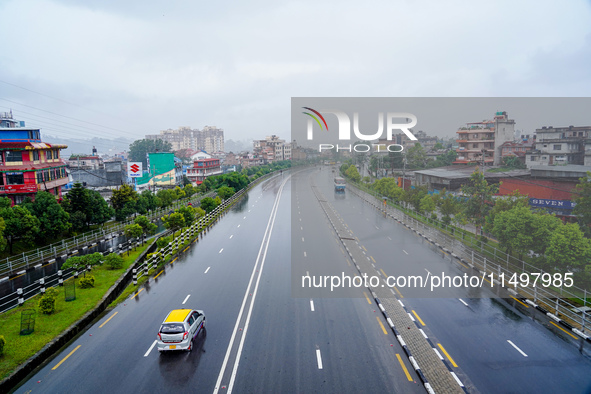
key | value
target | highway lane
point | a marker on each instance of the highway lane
(113, 357)
(311, 344)
(476, 336)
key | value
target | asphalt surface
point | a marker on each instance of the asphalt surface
(265, 334)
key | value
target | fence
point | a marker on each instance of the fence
(29, 259)
(490, 260)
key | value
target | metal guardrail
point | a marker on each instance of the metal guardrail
(500, 263)
(26, 260)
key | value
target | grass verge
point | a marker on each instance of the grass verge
(19, 348)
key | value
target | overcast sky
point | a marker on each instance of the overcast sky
(135, 67)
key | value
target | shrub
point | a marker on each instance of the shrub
(47, 301)
(86, 282)
(162, 242)
(114, 261)
(2, 343)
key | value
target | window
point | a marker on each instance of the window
(558, 147)
(35, 155)
(474, 145)
(48, 154)
(56, 154)
(533, 158)
(14, 155)
(19, 199)
(15, 178)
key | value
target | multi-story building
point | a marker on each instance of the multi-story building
(210, 139)
(28, 165)
(516, 149)
(560, 146)
(203, 168)
(480, 142)
(85, 162)
(272, 148)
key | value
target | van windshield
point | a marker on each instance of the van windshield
(172, 328)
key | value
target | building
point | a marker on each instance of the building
(272, 148)
(162, 172)
(516, 149)
(480, 142)
(28, 165)
(210, 139)
(84, 162)
(203, 168)
(560, 146)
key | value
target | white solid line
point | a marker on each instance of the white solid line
(404, 251)
(518, 349)
(312, 305)
(207, 270)
(187, 297)
(231, 236)
(221, 250)
(319, 358)
(150, 349)
(462, 301)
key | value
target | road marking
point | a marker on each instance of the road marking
(403, 367)
(377, 227)
(301, 228)
(185, 249)
(374, 260)
(418, 318)
(221, 250)
(447, 355)
(305, 255)
(244, 217)
(302, 239)
(364, 248)
(381, 325)
(186, 298)
(238, 225)
(312, 305)
(404, 251)
(518, 349)
(398, 291)
(367, 298)
(462, 301)
(557, 326)
(65, 358)
(390, 238)
(383, 273)
(106, 321)
(142, 289)
(150, 349)
(158, 274)
(231, 236)
(319, 358)
(520, 302)
(173, 260)
(427, 270)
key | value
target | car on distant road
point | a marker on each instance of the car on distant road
(179, 329)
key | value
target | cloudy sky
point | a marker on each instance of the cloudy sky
(111, 68)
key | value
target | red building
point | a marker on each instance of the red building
(202, 168)
(28, 165)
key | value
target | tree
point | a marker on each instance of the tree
(101, 212)
(353, 173)
(113, 261)
(123, 201)
(166, 197)
(188, 213)
(139, 149)
(479, 194)
(427, 205)
(173, 222)
(416, 157)
(189, 190)
(78, 204)
(514, 229)
(513, 162)
(53, 220)
(208, 204)
(149, 200)
(414, 197)
(437, 146)
(583, 208)
(20, 224)
(448, 206)
(505, 203)
(2, 238)
(133, 230)
(568, 249)
(147, 226)
(226, 192)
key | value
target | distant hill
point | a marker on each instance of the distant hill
(84, 146)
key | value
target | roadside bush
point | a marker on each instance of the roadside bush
(114, 261)
(87, 282)
(2, 343)
(47, 301)
(163, 241)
